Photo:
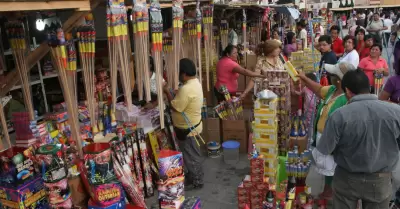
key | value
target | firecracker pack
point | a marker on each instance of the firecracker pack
(171, 183)
(117, 205)
(257, 197)
(31, 194)
(191, 203)
(243, 196)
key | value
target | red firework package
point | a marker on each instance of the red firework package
(106, 194)
(99, 163)
(132, 190)
(58, 192)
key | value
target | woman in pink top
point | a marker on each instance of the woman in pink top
(228, 71)
(374, 63)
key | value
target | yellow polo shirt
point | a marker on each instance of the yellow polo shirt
(189, 100)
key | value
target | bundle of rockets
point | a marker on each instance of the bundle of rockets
(231, 108)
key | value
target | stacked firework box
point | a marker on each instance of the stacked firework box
(279, 83)
(305, 60)
(252, 191)
(25, 130)
(265, 134)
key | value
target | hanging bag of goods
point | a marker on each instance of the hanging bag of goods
(52, 163)
(98, 162)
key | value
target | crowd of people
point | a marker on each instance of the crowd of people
(355, 131)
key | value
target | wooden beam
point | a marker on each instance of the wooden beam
(36, 55)
(44, 5)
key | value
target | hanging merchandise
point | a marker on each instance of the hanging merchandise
(119, 50)
(16, 35)
(140, 21)
(244, 29)
(145, 162)
(86, 41)
(224, 33)
(198, 45)
(3, 102)
(67, 78)
(207, 14)
(156, 34)
(169, 61)
(177, 16)
(267, 23)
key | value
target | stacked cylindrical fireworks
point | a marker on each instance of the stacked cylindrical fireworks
(298, 165)
(54, 171)
(265, 134)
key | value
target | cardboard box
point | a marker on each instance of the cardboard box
(212, 135)
(213, 124)
(241, 83)
(30, 195)
(239, 136)
(251, 61)
(234, 125)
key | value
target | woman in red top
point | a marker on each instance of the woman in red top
(374, 63)
(360, 44)
(228, 71)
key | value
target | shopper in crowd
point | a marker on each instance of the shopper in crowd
(267, 60)
(337, 43)
(228, 71)
(302, 34)
(275, 35)
(350, 55)
(290, 44)
(186, 116)
(363, 137)
(325, 47)
(360, 43)
(374, 64)
(391, 91)
(386, 33)
(332, 98)
(368, 42)
(375, 27)
(352, 21)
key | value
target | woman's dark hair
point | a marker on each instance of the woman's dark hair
(377, 45)
(187, 67)
(289, 37)
(301, 23)
(359, 30)
(356, 81)
(312, 76)
(335, 27)
(228, 50)
(368, 36)
(348, 37)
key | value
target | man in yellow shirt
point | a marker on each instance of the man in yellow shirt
(186, 118)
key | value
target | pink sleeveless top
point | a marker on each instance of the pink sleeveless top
(225, 74)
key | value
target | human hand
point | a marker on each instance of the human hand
(301, 75)
(243, 96)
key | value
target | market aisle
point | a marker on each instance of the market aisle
(220, 184)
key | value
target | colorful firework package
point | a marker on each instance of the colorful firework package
(16, 166)
(98, 162)
(171, 184)
(58, 191)
(30, 195)
(52, 164)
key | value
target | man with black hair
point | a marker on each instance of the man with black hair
(337, 43)
(302, 33)
(186, 118)
(363, 137)
(325, 47)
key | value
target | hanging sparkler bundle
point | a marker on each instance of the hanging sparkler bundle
(224, 33)
(258, 31)
(86, 37)
(156, 37)
(67, 76)
(177, 16)
(244, 30)
(140, 21)
(169, 63)
(208, 39)
(118, 48)
(16, 36)
(267, 21)
(198, 45)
